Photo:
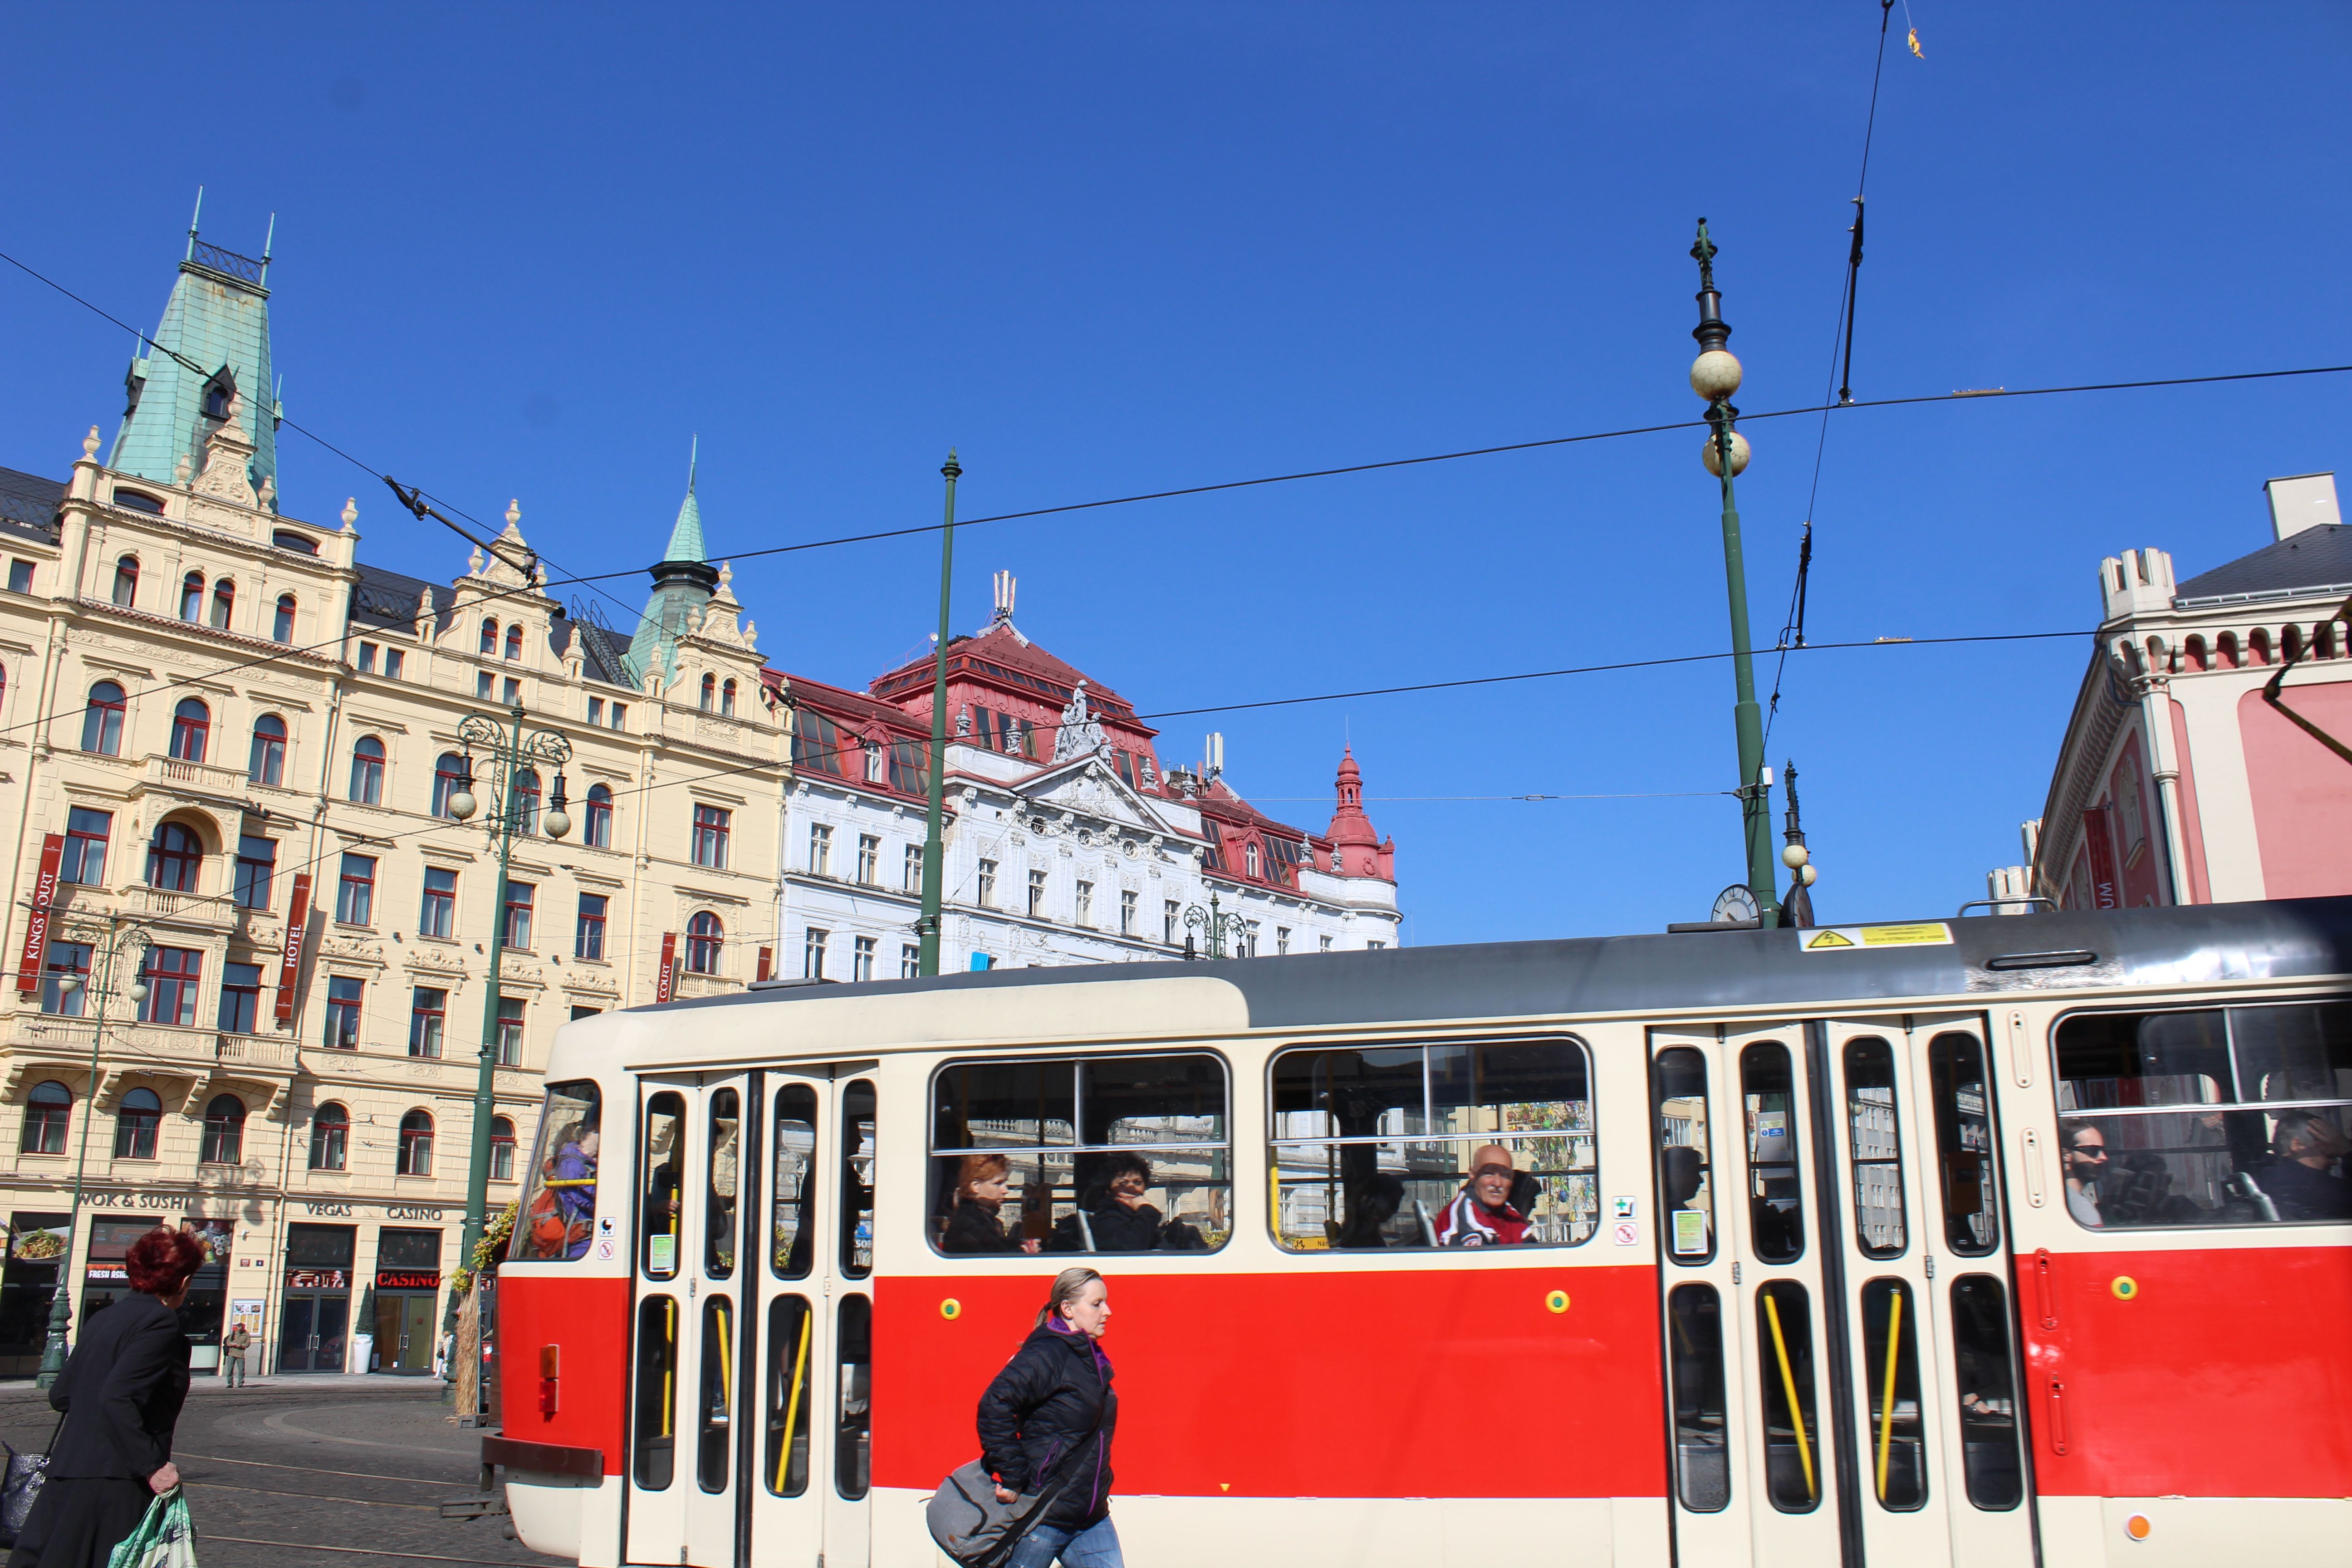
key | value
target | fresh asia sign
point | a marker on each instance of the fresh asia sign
(36, 929)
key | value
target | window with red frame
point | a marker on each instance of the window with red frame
(704, 939)
(172, 857)
(172, 974)
(599, 832)
(520, 896)
(192, 596)
(192, 727)
(710, 834)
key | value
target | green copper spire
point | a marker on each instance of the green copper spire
(684, 580)
(686, 537)
(217, 317)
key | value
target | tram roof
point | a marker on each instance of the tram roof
(1991, 955)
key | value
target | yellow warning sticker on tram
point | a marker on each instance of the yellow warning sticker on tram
(1847, 939)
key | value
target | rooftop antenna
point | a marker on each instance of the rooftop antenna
(267, 240)
(193, 219)
(693, 457)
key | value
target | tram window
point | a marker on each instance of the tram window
(663, 1163)
(716, 1441)
(1876, 1143)
(1792, 1455)
(656, 1456)
(1897, 1457)
(1685, 1169)
(559, 1201)
(726, 1171)
(1702, 1445)
(858, 1180)
(1776, 1203)
(790, 1328)
(2235, 1117)
(853, 1452)
(1986, 1379)
(1127, 1154)
(792, 1212)
(1964, 1144)
(1456, 1144)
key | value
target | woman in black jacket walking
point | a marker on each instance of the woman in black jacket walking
(120, 1392)
(1045, 1424)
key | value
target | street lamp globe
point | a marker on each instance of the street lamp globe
(1715, 374)
(68, 983)
(139, 991)
(1806, 874)
(461, 804)
(559, 823)
(1714, 460)
(1794, 856)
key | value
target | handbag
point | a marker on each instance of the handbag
(21, 1484)
(975, 1528)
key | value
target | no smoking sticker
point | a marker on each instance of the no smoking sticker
(605, 1251)
(1628, 1233)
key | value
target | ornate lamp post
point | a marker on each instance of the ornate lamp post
(1216, 928)
(114, 943)
(926, 926)
(1714, 376)
(1797, 908)
(509, 748)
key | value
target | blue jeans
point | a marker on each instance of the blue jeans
(1097, 1546)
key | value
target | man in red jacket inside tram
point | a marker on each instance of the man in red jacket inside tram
(1481, 1213)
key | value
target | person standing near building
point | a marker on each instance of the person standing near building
(234, 1346)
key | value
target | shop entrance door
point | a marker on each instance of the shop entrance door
(404, 1339)
(315, 1327)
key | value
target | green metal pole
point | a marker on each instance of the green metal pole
(934, 871)
(53, 1354)
(1747, 718)
(486, 1078)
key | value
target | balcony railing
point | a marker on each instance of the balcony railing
(184, 777)
(166, 1045)
(162, 903)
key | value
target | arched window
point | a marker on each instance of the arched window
(449, 778)
(726, 698)
(223, 602)
(526, 801)
(2323, 640)
(2291, 644)
(2258, 646)
(266, 765)
(287, 539)
(139, 501)
(600, 818)
(502, 1149)
(126, 581)
(2192, 652)
(704, 938)
(1249, 858)
(102, 724)
(46, 1111)
(416, 1145)
(489, 634)
(191, 726)
(2226, 650)
(281, 626)
(331, 1137)
(192, 596)
(172, 857)
(709, 692)
(514, 642)
(367, 770)
(217, 392)
(135, 1122)
(224, 1131)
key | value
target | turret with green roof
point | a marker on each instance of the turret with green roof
(684, 580)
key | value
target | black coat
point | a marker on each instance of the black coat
(1053, 1409)
(975, 1227)
(1118, 1228)
(121, 1391)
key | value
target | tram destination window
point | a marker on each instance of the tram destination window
(1453, 1144)
(558, 1199)
(2225, 1116)
(1110, 1154)
(1685, 1170)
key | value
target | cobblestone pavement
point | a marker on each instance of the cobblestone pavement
(326, 1472)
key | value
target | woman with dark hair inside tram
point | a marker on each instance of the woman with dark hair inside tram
(121, 1392)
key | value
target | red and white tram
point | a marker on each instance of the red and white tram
(1969, 1242)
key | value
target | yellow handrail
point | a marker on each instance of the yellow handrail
(1886, 1399)
(669, 1363)
(1789, 1384)
(792, 1408)
(726, 1357)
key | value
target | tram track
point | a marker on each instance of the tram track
(203, 1536)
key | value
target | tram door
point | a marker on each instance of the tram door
(806, 1443)
(685, 1399)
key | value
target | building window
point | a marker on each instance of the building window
(596, 712)
(1374, 946)
(392, 661)
(514, 642)
(988, 884)
(126, 581)
(265, 763)
(812, 953)
(1326, 943)
(509, 1031)
(224, 1131)
(526, 801)
(910, 766)
(135, 1124)
(482, 686)
(869, 858)
(709, 692)
(47, 1109)
(489, 634)
(1086, 903)
(65, 958)
(85, 857)
(727, 700)
(620, 715)
(1281, 940)
(910, 960)
(502, 1149)
(437, 916)
(287, 539)
(1126, 911)
(415, 1158)
(711, 826)
(20, 576)
(704, 939)
(820, 856)
(223, 602)
(240, 1003)
(257, 859)
(192, 596)
(1169, 911)
(1249, 938)
(191, 726)
(1036, 894)
(102, 724)
(367, 770)
(861, 959)
(367, 658)
(512, 694)
(173, 856)
(343, 995)
(1249, 858)
(599, 831)
(913, 872)
(520, 896)
(331, 1137)
(588, 934)
(355, 893)
(428, 1010)
(281, 626)
(449, 777)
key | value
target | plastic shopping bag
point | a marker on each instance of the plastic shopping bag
(166, 1538)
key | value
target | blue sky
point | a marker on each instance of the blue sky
(531, 251)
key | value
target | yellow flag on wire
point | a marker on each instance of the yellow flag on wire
(1915, 44)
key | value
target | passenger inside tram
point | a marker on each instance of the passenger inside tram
(1486, 1212)
(1113, 1215)
(982, 1185)
(2303, 1176)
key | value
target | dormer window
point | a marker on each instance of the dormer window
(287, 539)
(1249, 858)
(218, 393)
(138, 500)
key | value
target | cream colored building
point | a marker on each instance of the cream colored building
(205, 700)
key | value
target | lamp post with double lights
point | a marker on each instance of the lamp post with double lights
(511, 750)
(1216, 928)
(112, 943)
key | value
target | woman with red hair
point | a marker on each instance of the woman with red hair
(121, 1392)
